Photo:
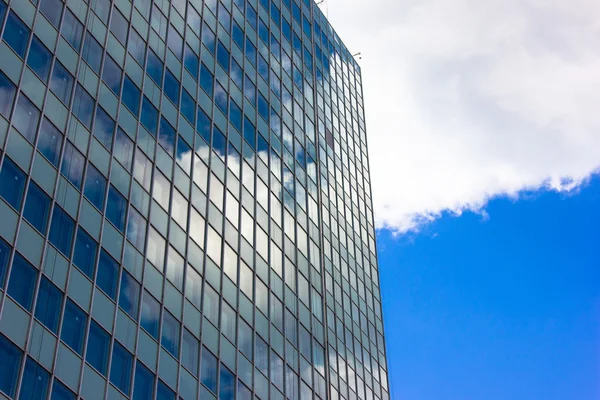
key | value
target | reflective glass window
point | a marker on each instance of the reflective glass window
(83, 106)
(61, 231)
(39, 59)
(50, 142)
(131, 96)
(26, 118)
(4, 259)
(206, 79)
(137, 47)
(190, 352)
(154, 68)
(21, 284)
(227, 384)
(208, 38)
(104, 128)
(12, 183)
(111, 75)
(92, 52)
(167, 135)
(61, 82)
(7, 95)
(16, 34)
(123, 150)
(208, 370)
(108, 270)
(120, 370)
(136, 229)
(175, 42)
(52, 10)
(171, 87)
(37, 207)
(61, 392)
(170, 334)
(129, 294)
(72, 30)
(188, 106)
(221, 98)
(85, 253)
(73, 326)
(223, 56)
(95, 187)
(149, 116)
(144, 383)
(163, 392)
(10, 366)
(191, 62)
(97, 348)
(72, 166)
(116, 208)
(34, 385)
(175, 268)
(119, 26)
(150, 317)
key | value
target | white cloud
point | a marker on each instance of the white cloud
(468, 99)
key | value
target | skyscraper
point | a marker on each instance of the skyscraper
(185, 204)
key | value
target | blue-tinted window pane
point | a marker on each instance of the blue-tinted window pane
(60, 392)
(12, 183)
(52, 9)
(208, 370)
(73, 326)
(219, 142)
(263, 107)
(250, 90)
(35, 382)
(170, 334)
(171, 87)
(85, 253)
(144, 383)
(154, 68)
(224, 17)
(95, 187)
(72, 30)
(61, 83)
(72, 166)
(50, 142)
(190, 352)
(26, 118)
(252, 16)
(163, 392)
(22, 281)
(263, 31)
(104, 128)
(221, 98)
(136, 229)
(223, 56)
(150, 315)
(191, 62)
(129, 296)
(4, 258)
(206, 79)
(175, 42)
(61, 231)
(167, 135)
(237, 75)
(208, 38)
(131, 96)
(235, 116)
(203, 124)
(97, 348)
(116, 208)
(120, 370)
(250, 52)
(111, 75)
(7, 95)
(16, 34)
(188, 106)
(37, 207)
(243, 392)
(137, 47)
(108, 270)
(119, 26)
(184, 152)
(9, 367)
(49, 303)
(83, 106)
(123, 150)
(149, 116)
(263, 68)
(39, 59)
(249, 132)
(227, 384)
(92, 52)
(238, 35)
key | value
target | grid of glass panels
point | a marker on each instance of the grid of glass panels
(185, 204)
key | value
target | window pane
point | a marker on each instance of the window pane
(72, 165)
(211, 305)
(175, 268)
(61, 83)
(16, 34)
(108, 269)
(4, 258)
(175, 42)
(190, 352)
(83, 106)
(193, 286)
(150, 315)
(26, 118)
(73, 327)
(116, 208)
(170, 334)
(9, 367)
(191, 62)
(22, 282)
(39, 59)
(154, 68)
(7, 95)
(156, 249)
(228, 318)
(137, 47)
(52, 9)
(123, 150)
(136, 229)
(245, 339)
(97, 348)
(120, 370)
(60, 392)
(227, 384)
(12, 183)
(85, 253)
(72, 30)
(111, 75)
(49, 304)
(118, 26)
(50, 142)
(92, 52)
(144, 383)
(206, 80)
(129, 296)
(131, 96)
(188, 106)
(223, 56)
(35, 382)
(149, 116)
(208, 370)
(171, 87)
(95, 187)
(104, 128)
(167, 135)
(61, 231)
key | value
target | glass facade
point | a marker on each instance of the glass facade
(185, 204)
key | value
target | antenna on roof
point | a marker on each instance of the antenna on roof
(319, 2)
(359, 55)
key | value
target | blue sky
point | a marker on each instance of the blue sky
(503, 308)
